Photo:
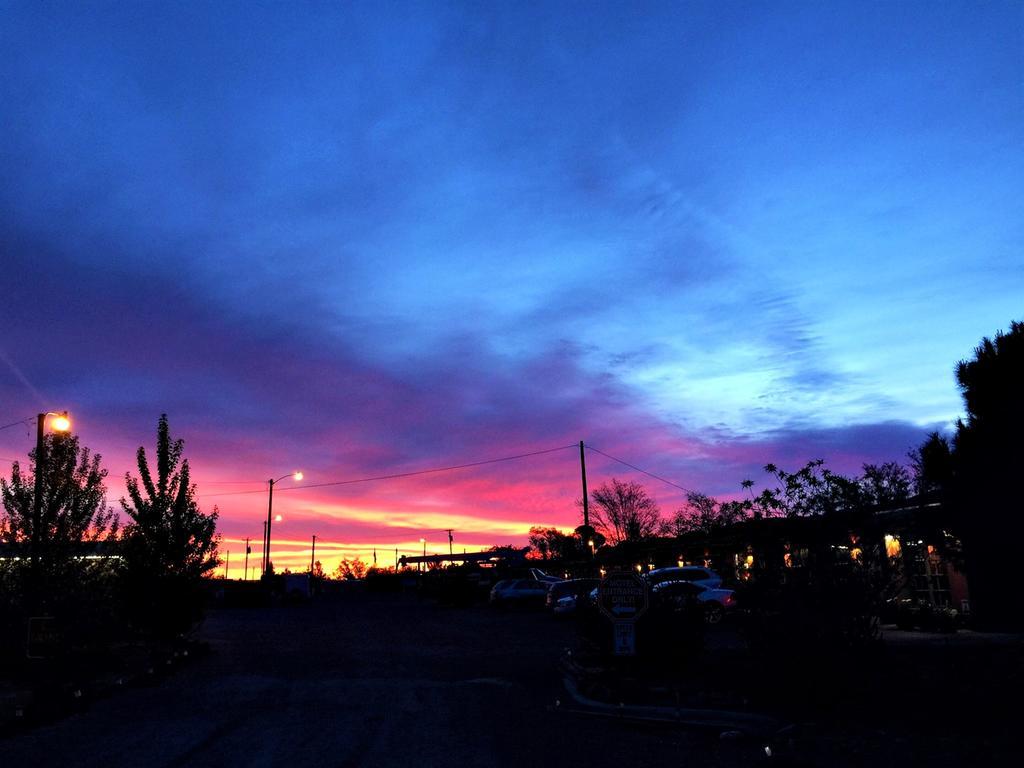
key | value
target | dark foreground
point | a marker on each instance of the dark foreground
(389, 680)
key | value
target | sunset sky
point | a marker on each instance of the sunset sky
(365, 239)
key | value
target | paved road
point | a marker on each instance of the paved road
(382, 680)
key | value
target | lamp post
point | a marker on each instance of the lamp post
(423, 565)
(270, 513)
(60, 423)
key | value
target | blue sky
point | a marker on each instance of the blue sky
(710, 235)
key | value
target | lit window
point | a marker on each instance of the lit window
(892, 545)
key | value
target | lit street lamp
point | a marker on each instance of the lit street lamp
(271, 518)
(59, 423)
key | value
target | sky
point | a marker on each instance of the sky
(373, 238)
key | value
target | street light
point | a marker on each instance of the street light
(271, 518)
(423, 565)
(60, 423)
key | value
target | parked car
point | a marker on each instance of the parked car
(544, 576)
(519, 592)
(566, 604)
(715, 601)
(573, 588)
(914, 613)
(692, 573)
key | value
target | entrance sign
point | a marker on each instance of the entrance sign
(622, 596)
(43, 640)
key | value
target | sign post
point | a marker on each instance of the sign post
(43, 640)
(622, 597)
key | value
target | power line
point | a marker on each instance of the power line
(232, 482)
(643, 471)
(16, 423)
(398, 475)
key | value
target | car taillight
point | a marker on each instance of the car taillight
(729, 600)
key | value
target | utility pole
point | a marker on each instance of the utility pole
(312, 554)
(450, 540)
(396, 560)
(245, 568)
(583, 470)
(37, 501)
(270, 507)
(263, 559)
(227, 565)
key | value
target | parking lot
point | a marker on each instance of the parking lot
(354, 681)
(391, 680)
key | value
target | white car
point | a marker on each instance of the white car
(564, 605)
(694, 574)
(715, 600)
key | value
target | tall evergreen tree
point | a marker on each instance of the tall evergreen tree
(170, 544)
(932, 465)
(987, 460)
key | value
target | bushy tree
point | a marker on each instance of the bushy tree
(705, 514)
(932, 465)
(624, 512)
(885, 485)
(73, 507)
(170, 544)
(350, 570)
(73, 513)
(552, 544)
(60, 581)
(811, 490)
(987, 459)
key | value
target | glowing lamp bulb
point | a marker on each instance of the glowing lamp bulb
(277, 518)
(61, 424)
(297, 476)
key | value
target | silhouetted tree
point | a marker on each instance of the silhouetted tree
(885, 484)
(811, 490)
(704, 513)
(624, 512)
(73, 513)
(170, 544)
(932, 465)
(987, 460)
(350, 570)
(551, 543)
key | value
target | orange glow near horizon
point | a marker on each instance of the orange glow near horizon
(294, 554)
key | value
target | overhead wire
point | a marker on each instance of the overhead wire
(638, 469)
(26, 420)
(396, 475)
